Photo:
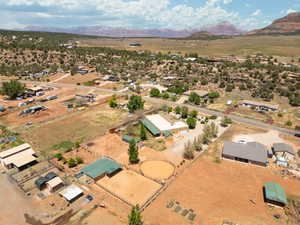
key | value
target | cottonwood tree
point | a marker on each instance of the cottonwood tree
(135, 103)
(13, 89)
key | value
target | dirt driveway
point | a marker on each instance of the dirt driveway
(13, 203)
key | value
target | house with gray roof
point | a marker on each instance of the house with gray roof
(251, 152)
(283, 150)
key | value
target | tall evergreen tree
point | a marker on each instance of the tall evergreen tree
(133, 152)
(135, 217)
(143, 134)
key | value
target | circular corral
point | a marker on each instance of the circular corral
(157, 169)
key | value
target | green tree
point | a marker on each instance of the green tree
(155, 92)
(135, 103)
(113, 102)
(79, 160)
(143, 134)
(184, 112)
(133, 152)
(191, 122)
(194, 113)
(13, 89)
(177, 110)
(72, 162)
(135, 217)
(58, 156)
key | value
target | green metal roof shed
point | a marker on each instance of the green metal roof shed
(128, 139)
(167, 133)
(151, 127)
(101, 167)
(275, 193)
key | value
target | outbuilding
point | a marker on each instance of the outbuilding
(19, 157)
(71, 193)
(283, 150)
(274, 194)
(251, 152)
(101, 167)
(162, 124)
(54, 184)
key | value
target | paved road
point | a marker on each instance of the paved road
(235, 118)
(169, 103)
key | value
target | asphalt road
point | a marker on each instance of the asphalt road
(169, 103)
(235, 118)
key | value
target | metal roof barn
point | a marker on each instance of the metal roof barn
(274, 193)
(101, 167)
(14, 150)
(151, 127)
(164, 125)
(251, 151)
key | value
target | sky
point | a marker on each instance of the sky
(143, 14)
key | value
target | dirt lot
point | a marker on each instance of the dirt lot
(133, 187)
(217, 191)
(287, 46)
(102, 215)
(78, 78)
(81, 125)
(14, 203)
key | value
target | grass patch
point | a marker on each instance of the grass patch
(64, 145)
(156, 144)
(71, 100)
(88, 83)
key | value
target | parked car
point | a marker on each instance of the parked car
(297, 135)
(89, 197)
(51, 98)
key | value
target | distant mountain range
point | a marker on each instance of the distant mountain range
(289, 24)
(223, 28)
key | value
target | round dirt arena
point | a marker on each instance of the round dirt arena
(157, 169)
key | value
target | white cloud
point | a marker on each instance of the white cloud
(127, 13)
(290, 11)
(256, 13)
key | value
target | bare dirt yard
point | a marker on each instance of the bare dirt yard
(78, 78)
(130, 186)
(220, 191)
(157, 169)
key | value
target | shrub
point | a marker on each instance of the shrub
(191, 122)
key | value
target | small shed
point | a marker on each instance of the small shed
(54, 184)
(274, 194)
(71, 193)
(128, 139)
(283, 150)
(167, 133)
(41, 182)
(51, 175)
